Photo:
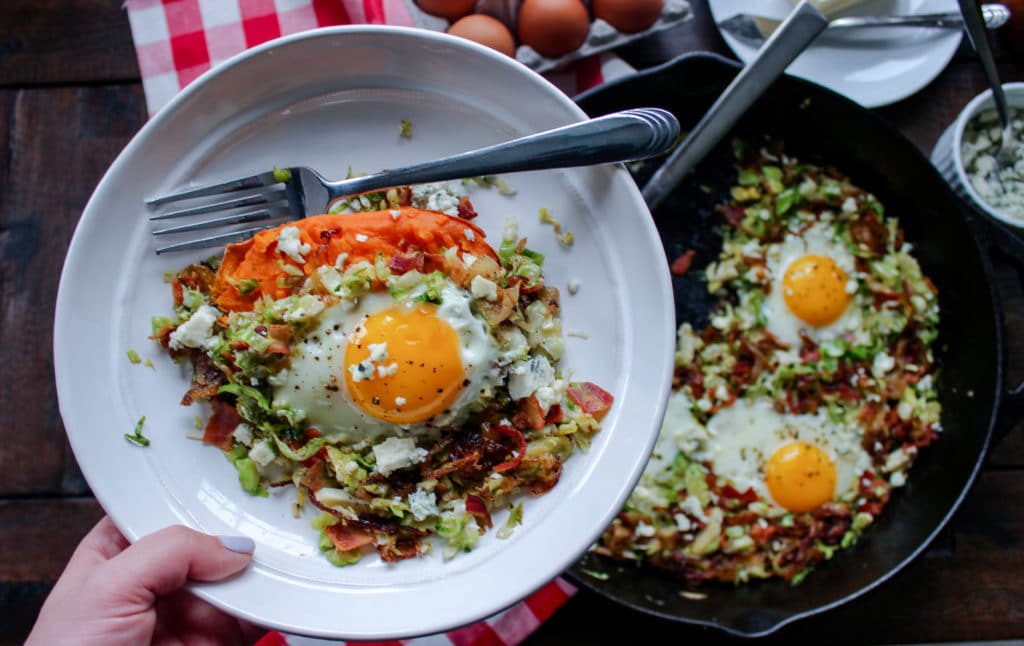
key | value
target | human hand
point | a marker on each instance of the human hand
(114, 593)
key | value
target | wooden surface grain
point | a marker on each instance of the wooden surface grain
(70, 100)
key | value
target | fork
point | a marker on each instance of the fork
(293, 193)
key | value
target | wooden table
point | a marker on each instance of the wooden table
(70, 99)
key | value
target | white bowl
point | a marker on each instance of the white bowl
(333, 98)
(947, 154)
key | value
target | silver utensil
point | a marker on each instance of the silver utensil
(974, 22)
(801, 27)
(753, 30)
(294, 193)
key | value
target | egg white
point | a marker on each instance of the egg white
(742, 438)
(820, 239)
(314, 384)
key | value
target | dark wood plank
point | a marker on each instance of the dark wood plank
(972, 593)
(20, 603)
(59, 142)
(65, 41)
(37, 536)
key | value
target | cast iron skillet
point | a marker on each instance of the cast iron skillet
(953, 247)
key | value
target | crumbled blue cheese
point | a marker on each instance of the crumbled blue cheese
(378, 352)
(387, 371)
(436, 197)
(395, 214)
(882, 364)
(525, 377)
(399, 401)
(469, 235)
(243, 433)
(196, 331)
(1002, 188)
(262, 453)
(290, 244)
(573, 285)
(483, 288)
(362, 371)
(397, 453)
(423, 504)
(548, 396)
(362, 237)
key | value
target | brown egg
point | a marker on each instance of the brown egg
(450, 9)
(553, 27)
(485, 30)
(628, 16)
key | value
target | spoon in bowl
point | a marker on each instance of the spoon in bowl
(975, 25)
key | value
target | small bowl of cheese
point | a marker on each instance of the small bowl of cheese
(966, 155)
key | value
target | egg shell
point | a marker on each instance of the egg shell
(450, 9)
(485, 30)
(553, 27)
(628, 16)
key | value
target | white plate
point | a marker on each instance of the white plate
(872, 66)
(332, 99)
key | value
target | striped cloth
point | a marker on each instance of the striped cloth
(177, 40)
(506, 628)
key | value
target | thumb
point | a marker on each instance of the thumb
(163, 561)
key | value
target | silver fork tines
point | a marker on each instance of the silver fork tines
(256, 181)
(295, 192)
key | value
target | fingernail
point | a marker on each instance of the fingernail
(239, 544)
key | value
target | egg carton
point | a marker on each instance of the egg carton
(601, 38)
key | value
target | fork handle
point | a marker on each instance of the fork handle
(618, 137)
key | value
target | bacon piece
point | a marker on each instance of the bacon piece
(745, 498)
(682, 264)
(401, 263)
(313, 478)
(452, 466)
(345, 538)
(207, 378)
(282, 337)
(733, 214)
(476, 506)
(869, 233)
(498, 311)
(593, 399)
(529, 415)
(520, 440)
(221, 425)
(466, 210)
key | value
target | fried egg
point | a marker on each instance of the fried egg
(797, 462)
(813, 287)
(380, 368)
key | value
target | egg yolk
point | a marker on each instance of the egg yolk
(800, 476)
(814, 288)
(415, 375)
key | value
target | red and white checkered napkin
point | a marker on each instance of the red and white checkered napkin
(506, 628)
(177, 40)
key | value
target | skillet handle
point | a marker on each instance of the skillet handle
(1010, 247)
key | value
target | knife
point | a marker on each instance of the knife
(753, 30)
(803, 25)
